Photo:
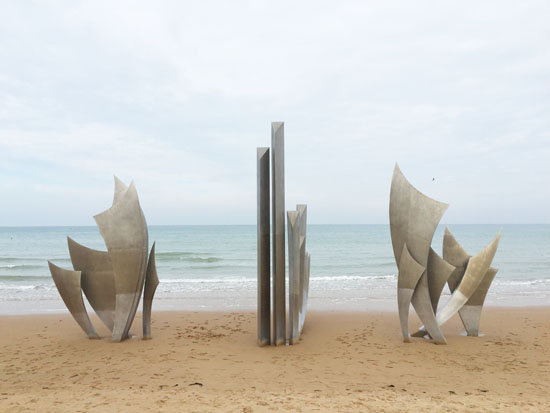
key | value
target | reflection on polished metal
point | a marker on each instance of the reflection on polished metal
(68, 285)
(278, 336)
(263, 241)
(272, 328)
(151, 284)
(113, 280)
(470, 313)
(413, 220)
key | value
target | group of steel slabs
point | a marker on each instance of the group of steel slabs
(113, 280)
(272, 327)
(423, 273)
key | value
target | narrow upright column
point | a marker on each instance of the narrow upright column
(302, 213)
(278, 213)
(264, 299)
(294, 246)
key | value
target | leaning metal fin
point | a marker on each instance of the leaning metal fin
(68, 285)
(439, 271)
(98, 281)
(475, 271)
(410, 272)
(151, 283)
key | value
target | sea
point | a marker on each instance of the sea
(213, 268)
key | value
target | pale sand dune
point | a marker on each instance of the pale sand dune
(345, 362)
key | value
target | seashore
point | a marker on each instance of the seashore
(210, 361)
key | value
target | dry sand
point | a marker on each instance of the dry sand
(210, 362)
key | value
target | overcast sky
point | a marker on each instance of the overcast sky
(178, 95)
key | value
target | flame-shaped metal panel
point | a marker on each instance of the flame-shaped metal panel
(98, 280)
(124, 230)
(413, 221)
(68, 285)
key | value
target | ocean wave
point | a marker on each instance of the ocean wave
(32, 259)
(502, 282)
(253, 279)
(354, 277)
(186, 257)
(206, 280)
(21, 266)
(24, 278)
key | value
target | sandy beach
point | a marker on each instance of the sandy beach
(207, 361)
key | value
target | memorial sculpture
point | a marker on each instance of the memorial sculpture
(422, 273)
(113, 280)
(272, 320)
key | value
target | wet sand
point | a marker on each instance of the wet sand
(209, 361)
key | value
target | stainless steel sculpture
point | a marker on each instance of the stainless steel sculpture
(278, 216)
(124, 230)
(423, 273)
(298, 265)
(272, 327)
(151, 284)
(470, 313)
(413, 220)
(98, 280)
(113, 280)
(263, 233)
(68, 285)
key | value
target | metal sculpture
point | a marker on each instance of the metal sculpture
(68, 285)
(423, 273)
(272, 326)
(470, 313)
(151, 284)
(263, 234)
(113, 280)
(298, 268)
(413, 220)
(278, 227)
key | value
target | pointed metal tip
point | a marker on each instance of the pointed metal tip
(261, 151)
(291, 216)
(275, 126)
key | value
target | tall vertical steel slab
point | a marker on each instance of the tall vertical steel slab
(305, 290)
(295, 244)
(278, 336)
(302, 228)
(264, 253)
